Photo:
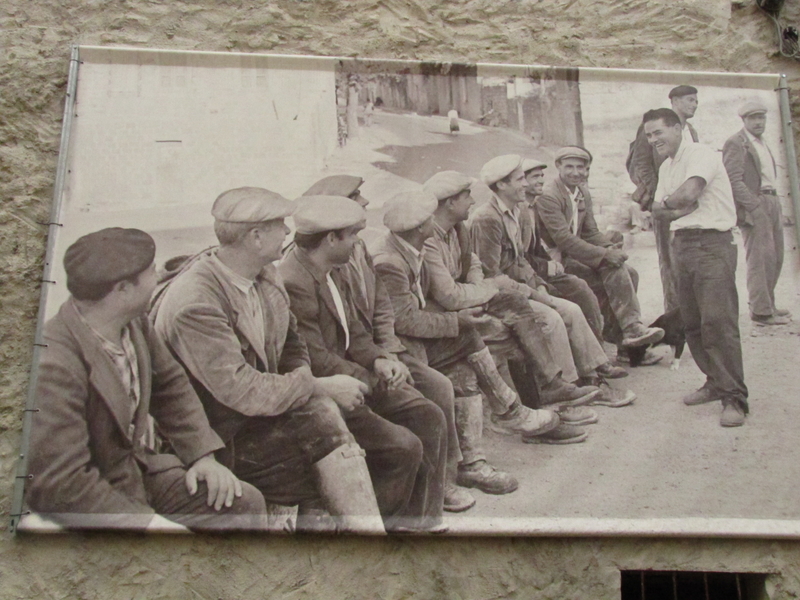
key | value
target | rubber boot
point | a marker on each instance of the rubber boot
(346, 488)
(500, 397)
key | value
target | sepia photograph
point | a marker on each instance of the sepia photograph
(299, 294)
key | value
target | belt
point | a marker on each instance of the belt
(768, 193)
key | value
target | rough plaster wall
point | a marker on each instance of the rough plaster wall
(36, 35)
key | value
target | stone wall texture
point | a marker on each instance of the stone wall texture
(36, 36)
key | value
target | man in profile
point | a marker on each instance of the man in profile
(105, 381)
(751, 169)
(226, 317)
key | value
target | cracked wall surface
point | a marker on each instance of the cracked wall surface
(36, 35)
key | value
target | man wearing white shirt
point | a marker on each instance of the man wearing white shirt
(751, 168)
(694, 194)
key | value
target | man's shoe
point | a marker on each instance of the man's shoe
(484, 477)
(650, 358)
(609, 371)
(770, 319)
(609, 396)
(524, 420)
(457, 499)
(782, 312)
(577, 415)
(733, 414)
(702, 396)
(563, 434)
(558, 394)
(642, 336)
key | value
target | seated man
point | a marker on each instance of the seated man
(449, 341)
(571, 236)
(371, 304)
(104, 381)
(327, 231)
(500, 231)
(226, 317)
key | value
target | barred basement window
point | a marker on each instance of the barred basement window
(692, 585)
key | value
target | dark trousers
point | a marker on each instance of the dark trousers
(705, 264)
(277, 454)
(665, 263)
(575, 289)
(168, 495)
(763, 245)
(422, 429)
(615, 288)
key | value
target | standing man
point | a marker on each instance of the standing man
(572, 237)
(105, 380)
(694, 193)
(226, 317)
(327, 232)
(751, 169)
(643, 165)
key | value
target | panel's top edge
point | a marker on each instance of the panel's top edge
(763, 80)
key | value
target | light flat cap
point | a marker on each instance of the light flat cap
(315, 214)
(529, 164)
(108, 256)
(408, 210)
(500, 167)
(573, 152)
(446, 184)
(335, 185)
(681, 90)
(751, 108)
(250, 205)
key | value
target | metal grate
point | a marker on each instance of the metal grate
(692, 585)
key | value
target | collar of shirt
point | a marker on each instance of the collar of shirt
(418, 254)
(512, 213)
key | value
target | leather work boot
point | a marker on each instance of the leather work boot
(577, 415)
(563, 434)
(642, 335)
(704, 395)
(483, 476)
(774, 319)
(524, 420)
(558, 393)
(609, 371)
(457, 499)
(608, 395)
(733, 414)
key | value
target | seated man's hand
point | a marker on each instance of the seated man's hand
(504, 282)
(391, 372)
(615, 257)
(223, 486)
(554, 268)
(472, 316)
(541, 294)
(348, 392)
(616, 239)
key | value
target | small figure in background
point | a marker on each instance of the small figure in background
(452, 114)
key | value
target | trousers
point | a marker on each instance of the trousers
(763, 245)
(705, 263)
(615, 288)
(572, 288)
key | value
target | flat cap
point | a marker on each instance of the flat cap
(315, 214)
(408, 210)
(529, 164)
(446, 184)
(752, 107)
(500, 167)
(250, 205)
(335, 185)
(108, 256)
(682, 90)
(573, 152)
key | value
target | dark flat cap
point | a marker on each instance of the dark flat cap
(335, 185)
(682, 90)
(108, 256)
